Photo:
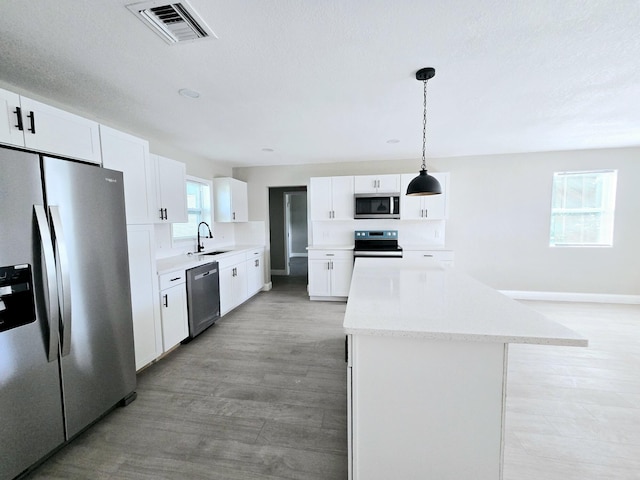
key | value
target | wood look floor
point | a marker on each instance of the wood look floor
(262, 395)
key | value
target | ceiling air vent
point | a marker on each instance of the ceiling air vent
(174, 22)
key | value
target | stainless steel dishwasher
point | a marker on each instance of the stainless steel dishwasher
(203, 297)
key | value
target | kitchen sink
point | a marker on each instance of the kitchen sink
(218, 252)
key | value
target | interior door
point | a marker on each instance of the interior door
(97, 340)
(30, 407)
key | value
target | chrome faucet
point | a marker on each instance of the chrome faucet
(200, 245)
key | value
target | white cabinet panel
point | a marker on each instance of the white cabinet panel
(319, 277)
(171, 190)
(173, 297)
(9, 121)
(376, 183)
(447, 423)
(147, 330)
(233, 282)
(428, 207)
(445, 257)
(331, 198)
(231, 202)
(330, 273)
(130, 155)
(255, 271)
(49, 129)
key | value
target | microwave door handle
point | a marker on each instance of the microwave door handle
(62, 264)
(51, 302)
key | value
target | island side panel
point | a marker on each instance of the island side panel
(427, 408)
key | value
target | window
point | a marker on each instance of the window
(198, 209)
(582, 208)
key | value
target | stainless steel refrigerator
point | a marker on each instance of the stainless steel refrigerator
(66, 333)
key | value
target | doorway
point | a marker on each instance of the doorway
(288, 231)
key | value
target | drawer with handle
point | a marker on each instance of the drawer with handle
(171, 279)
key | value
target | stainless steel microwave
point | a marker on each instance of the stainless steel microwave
(377, 205)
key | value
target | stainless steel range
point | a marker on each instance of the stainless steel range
(377, 243)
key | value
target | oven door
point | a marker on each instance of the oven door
(384, 205)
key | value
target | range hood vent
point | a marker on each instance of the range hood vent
(173, 22)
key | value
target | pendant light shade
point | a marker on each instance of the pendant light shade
(424, 184)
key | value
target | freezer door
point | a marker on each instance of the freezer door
(86, 208)
(31, 423)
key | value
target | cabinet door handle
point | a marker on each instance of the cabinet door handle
(166, 300)
(18, 112)
(174, 279)
(257, 263)
(32, 119)
(166, 215)
(234, 215)
(162, 214)
(426, 213)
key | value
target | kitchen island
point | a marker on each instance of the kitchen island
(427, 370)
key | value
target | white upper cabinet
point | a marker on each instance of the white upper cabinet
(10, 133)
(331, 198)
(171, 190)
(51, 130)
(231, 202)
(428, 207)
(130, 155)
(376, 183)
(36, 126)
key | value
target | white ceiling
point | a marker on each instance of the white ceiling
(333, 80)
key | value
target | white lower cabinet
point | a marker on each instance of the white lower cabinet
(147, 328)
(173, 296)
(255, 271)
(233, 282)
(445, 257)
(330, 274)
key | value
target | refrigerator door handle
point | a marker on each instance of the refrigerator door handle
(62, 269)
(53, 314)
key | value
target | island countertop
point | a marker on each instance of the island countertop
(422, 299)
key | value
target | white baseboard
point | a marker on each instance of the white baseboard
(267, 286)
(572, 297)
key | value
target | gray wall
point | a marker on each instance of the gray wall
(499, 216)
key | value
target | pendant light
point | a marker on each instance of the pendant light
(424, 184)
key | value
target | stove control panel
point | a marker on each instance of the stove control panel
(376, 235)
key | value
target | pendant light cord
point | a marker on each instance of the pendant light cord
(424, 127)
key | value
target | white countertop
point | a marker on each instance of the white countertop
(421, 299)
(184, 262)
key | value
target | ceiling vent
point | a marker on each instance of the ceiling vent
(174, 22)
